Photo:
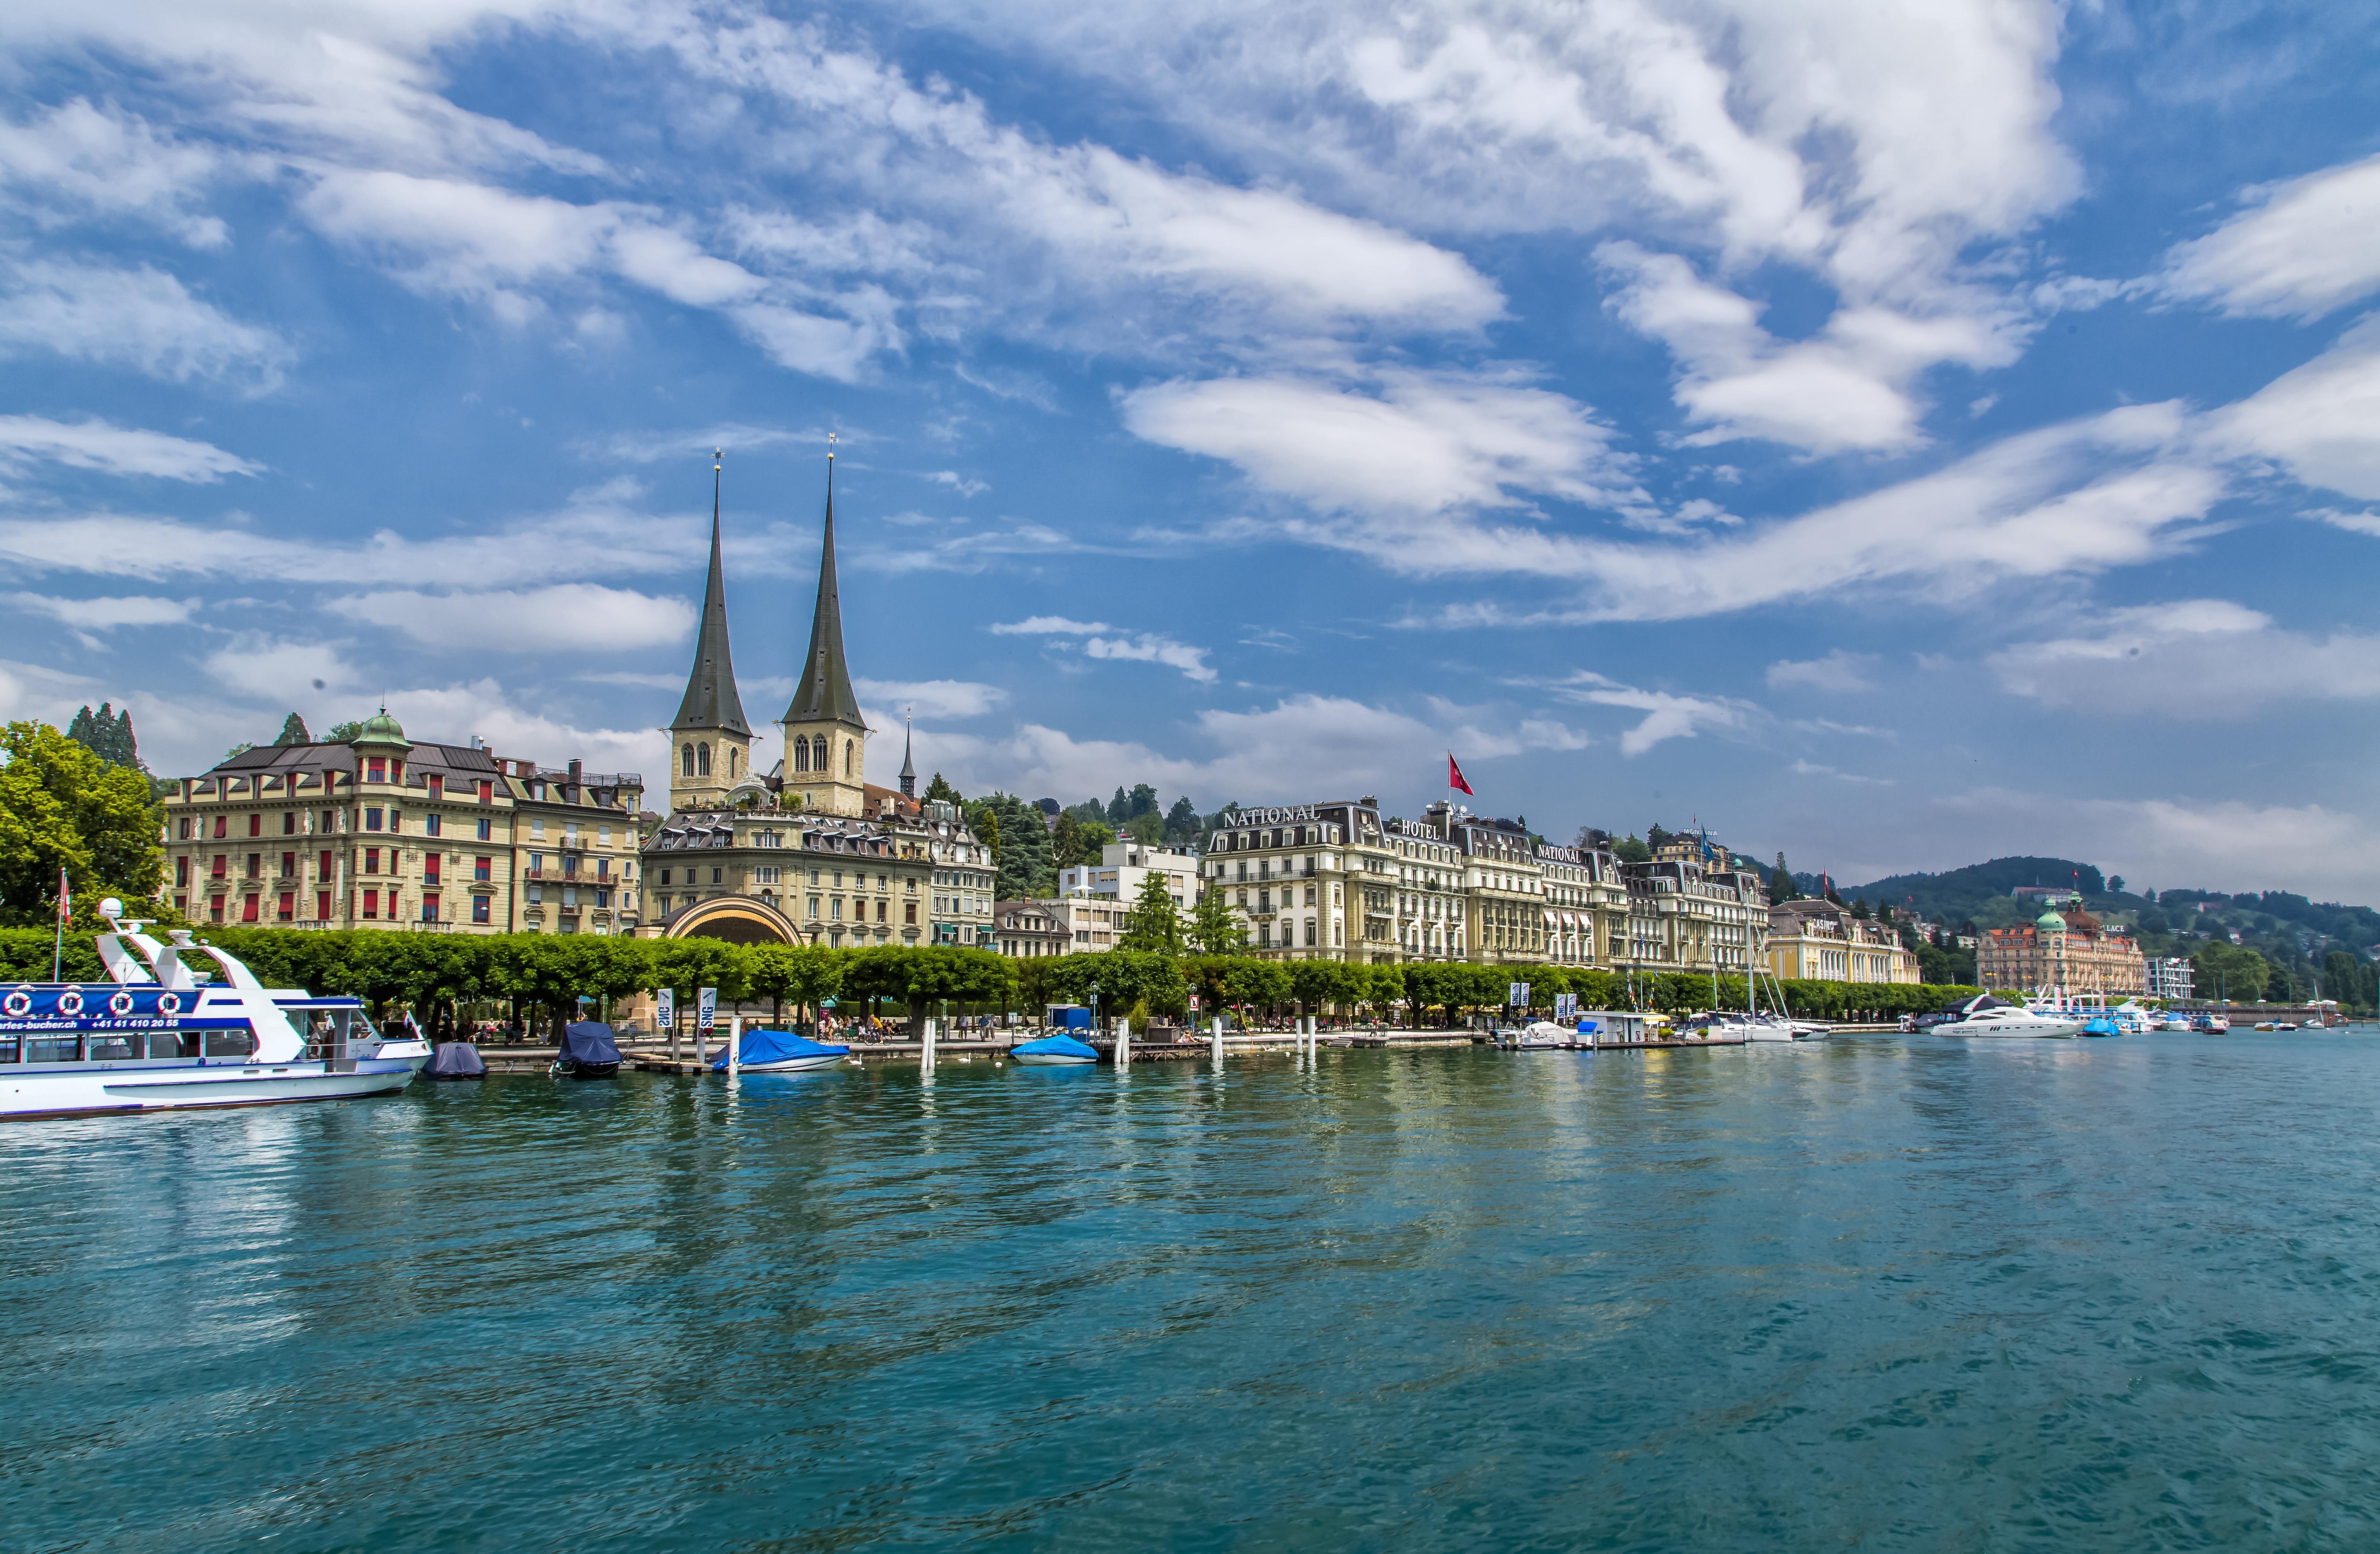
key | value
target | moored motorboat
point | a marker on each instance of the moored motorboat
(164, 1034)
(587, 1051)
(1991, 1016)
(1054, 1051)
(455, 1060)
(1537, 1036)
(779, 1052)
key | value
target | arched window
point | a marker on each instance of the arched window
(817, 755)
(686, 758)
(732, 754)
(702, 760)
(846, 758)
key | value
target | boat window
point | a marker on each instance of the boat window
(230, 1043)
(173, 1044)
(9, 1048)
(113, 1046)
(51, 1048)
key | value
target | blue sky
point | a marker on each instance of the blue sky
(1896, 434)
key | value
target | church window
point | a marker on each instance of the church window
(702, 760)
(732, 754)
(686, 758)
(847, 748)
(818, 754)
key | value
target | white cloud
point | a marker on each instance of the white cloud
(117, 450)
(1428, 441)
(571, 617)
(957, 482)
(258, 667)
(1812, 769)
(735, 437)
(88, 615)
(2197, 659)
(2300, 250)
(1104, 641)
(933, 698)
(1840, 671)
(2322, 420)
(142, 318)
(1666, 716)
(77, 161)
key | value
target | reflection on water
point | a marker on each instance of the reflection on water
(1886, 1294)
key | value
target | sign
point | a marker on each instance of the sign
(1274, 817)
(706, 1008)
(1565, 1006)
(1517, 995)
(1193, 1003)
(665, 1009)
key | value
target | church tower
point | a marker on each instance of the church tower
(710, 745)
(826, 739)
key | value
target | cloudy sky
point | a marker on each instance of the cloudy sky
(1898, 434)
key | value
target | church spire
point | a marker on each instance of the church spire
(908, 765)
(711, 700)
(824, 693)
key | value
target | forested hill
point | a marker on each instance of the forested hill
(1955, 893)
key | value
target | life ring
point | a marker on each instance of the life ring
(120, 1004)
(169, 1003)
(70, 1003)
(18, 1005)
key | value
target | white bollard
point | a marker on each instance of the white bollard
(1217, 1041)
(735, 1044)
(925, 1057)
(1123, 1043)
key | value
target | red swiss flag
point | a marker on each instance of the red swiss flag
(1455, 775)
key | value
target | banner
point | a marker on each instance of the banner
(665, 1009)
(706, 1008)
(1517, 994)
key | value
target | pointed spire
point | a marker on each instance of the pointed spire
(824, 693)
(908, 766)
(711, 700)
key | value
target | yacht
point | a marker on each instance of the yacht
(2008, 1019)
(165, 1034)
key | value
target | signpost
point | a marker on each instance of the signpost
(665, 1015)
(706, 1014)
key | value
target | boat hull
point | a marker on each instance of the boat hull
(88, 1089)
(586, 1071)
(1050, 1059)
(793, 1065)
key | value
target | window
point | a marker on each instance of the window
(814, 909)
(482, 870)
(835, 909)
(665, 876)
(372, 903)
(376, 769)
(801, 755)
(486, 831)
(371, 820)
(702, 760)
(371, 860)
(437, 784)
(686, 761)
(603, 836)
(322, 868)
(883, 907)
(323, 906)
(535, 865)
(1309, 933)
(288, 866)
(537, 895)
(718, 876)
(287, 911)
(478, 909)
(220, 821)
(430, 825)
(570, 833)
(182, 872)
(817, 753)
(214, 909)
(487, 791)
(430, 862)
(909, 908)
(848, 747)
(183, 835)
(537, 828)
(289, 822)
(330, 821)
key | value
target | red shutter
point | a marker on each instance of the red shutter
(323, 906)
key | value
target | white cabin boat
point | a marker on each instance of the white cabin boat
(2008, 1019)
(164, 1034)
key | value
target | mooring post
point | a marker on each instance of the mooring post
(1123, 1042)
(1217, 1041)
(735, 1043)
(926, 1051)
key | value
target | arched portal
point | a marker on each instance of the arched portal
(738, 919)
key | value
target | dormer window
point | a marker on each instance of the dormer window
(376, 769)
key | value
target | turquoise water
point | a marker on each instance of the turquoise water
(1881, 1292)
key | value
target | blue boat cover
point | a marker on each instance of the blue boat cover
(458, 1058)
(589, 1042)
(1056, 1046)
(774, 1047)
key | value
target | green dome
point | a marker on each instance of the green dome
(2051, 920)
(382, 729)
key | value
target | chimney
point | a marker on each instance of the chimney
(574, 773)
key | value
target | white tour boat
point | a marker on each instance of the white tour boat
(2010, 1019)
(165, 1034)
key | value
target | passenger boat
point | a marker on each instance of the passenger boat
(779, 1052)
(165, 1034)
(1990, 1016)
(1054, 1051)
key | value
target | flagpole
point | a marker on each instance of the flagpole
(59, 941)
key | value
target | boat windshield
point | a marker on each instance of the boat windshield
(335, 1031)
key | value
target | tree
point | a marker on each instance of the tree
(984, 821)
(1154, 923)
(1181, 822)
(1023, 855)
(344, 734)
(1214, 928)
(1119, 807)
(1656, 839)
(293, 732)
(1781, 888)
(1076, 842)
(939, 788)
(106, 734)
(1148, 828)
(61, 805)
(2115, 884)
(239, 750)
(1628, 849)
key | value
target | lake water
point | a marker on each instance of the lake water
(1875, 1292)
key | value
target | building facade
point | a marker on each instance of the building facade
(809, 852)
(2169, 976)
(1819, 940)
(2071, 954)
(1027, 930)
(1124, 867)
(386, 832)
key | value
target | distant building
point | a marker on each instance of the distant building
(1028, 928)
(1818, 941)
(2071, 953)
(1122, 869)
(1087, 922)
(2169, 977)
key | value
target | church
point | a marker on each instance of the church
(809, 852)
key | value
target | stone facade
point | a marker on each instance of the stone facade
(2071, 953)
(389, 832)
(1029, 929)
(1819, 940)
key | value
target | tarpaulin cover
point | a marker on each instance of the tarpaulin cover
(457, 1060)
(1056, 1046)
(775, 1046)
(589, 1042)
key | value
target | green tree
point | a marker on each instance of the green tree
(1214, 928)
(106, 734)
(239, 750)
(1149, 828)
(61, 804)
(1781, 888)
(1656, 838)
(939, 788)
(1023, 856)
(1181, 822)
(1119, 807)
(984, 821)
(344, 734)
(1154, 923)
(1076, 842)
(1628, 849)
(293, 732)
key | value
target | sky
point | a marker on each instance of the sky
(1896, 434)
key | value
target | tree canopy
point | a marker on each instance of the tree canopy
(1154, 923)
(106, 734)
(61, 804)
